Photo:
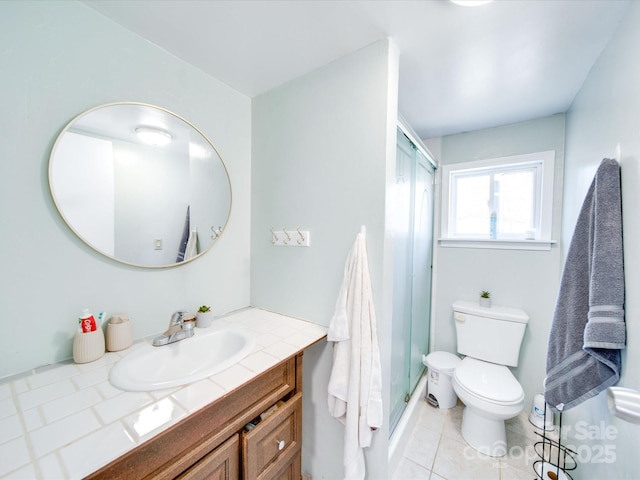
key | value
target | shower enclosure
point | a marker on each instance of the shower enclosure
(412, 253)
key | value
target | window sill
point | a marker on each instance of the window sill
(497, 244)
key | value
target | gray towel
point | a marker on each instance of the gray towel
(588, 328)
(186, 231)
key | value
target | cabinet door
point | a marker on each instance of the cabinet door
(274, 443)
(292, 470)
(221, 464)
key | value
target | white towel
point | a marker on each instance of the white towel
(191, 250)
(355, 385)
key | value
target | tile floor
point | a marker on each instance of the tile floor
(437, 451)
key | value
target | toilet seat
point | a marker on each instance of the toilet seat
(488, 381)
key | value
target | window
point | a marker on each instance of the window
(499, 203)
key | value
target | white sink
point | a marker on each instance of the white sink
(148, 368)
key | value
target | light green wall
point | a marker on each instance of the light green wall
(604, 121)
(515, 278)
(59, 59)
(323, 145)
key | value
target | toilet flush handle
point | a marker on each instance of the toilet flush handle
(459, 317)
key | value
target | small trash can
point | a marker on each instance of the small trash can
(440, 391)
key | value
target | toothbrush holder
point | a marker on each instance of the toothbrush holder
(88, 346)
(119, 333)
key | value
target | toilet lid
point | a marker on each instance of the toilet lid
(444, 362)
(488, 380)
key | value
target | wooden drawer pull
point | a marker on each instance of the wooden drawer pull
(281, 444)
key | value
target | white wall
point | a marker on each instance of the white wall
(604, 121)
(515, 278)
(62, 58)
(323, 146)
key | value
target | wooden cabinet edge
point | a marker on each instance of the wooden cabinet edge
(173, 451)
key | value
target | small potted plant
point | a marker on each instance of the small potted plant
(485, 298)
(204, 316)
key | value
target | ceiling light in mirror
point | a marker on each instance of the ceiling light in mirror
(153, 136)
(471, 3)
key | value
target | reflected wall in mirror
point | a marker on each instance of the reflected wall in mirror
(140, 184)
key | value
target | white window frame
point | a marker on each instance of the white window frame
(542, 240)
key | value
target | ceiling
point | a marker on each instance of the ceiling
(461, 68)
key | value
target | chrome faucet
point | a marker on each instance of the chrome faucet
(179, 329)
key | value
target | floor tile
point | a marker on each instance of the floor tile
(422, 446)
(436, 448)
(408, 470)
(457, 461)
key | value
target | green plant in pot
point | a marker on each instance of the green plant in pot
(485, 298)
(204, 316)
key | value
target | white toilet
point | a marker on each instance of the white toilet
(490, 338)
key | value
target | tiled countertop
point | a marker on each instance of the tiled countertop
(66, 421)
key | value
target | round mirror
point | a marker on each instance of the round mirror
(140, 184)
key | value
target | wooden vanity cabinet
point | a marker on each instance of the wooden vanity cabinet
(271, 447)
(221, 464)
(212, 443)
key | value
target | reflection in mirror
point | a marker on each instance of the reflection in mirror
(140, 184)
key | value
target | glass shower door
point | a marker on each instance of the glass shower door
(421, 267)
(412, 230)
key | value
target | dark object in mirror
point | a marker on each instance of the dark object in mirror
(140, 184)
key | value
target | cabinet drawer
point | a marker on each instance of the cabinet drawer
(221, 464)
(274, 442)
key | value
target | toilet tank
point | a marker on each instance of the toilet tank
(492, 334)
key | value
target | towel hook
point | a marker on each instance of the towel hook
(286, 242)
(274, 237)
(216, 232)
(301, 239)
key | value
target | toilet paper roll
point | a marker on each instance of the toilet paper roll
(538, 417)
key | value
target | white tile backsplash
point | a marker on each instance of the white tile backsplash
(152, 419)
(52, 375)
(14, 454)
(281, 350)
(301, 338)
(51, 467)
(67, 420)
(5, 391)
(259, 361)
(32, 419)
(92, 377)
(267, 339)
(121, 405)
(33, 398)
(55, 435)
(80, 457)
(7, 407)
(69, 404)
(232, 377)
(197, 395)
(10, 428)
